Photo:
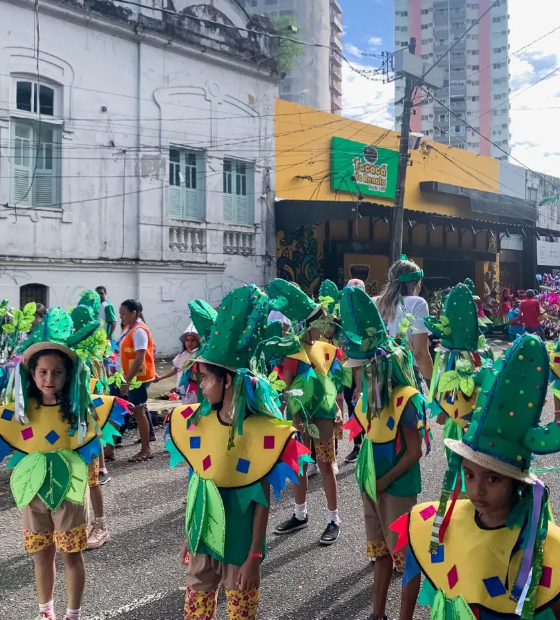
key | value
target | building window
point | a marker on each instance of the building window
(186, 185)
(424, 27)
(35, 98)
(424, 12)
(38, 293)
(239, 192)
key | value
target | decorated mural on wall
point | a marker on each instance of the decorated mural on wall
(299, 255)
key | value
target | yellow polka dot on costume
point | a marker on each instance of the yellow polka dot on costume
(530, 405)
(519, 457)
(521, 358)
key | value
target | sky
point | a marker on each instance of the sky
(535, 109)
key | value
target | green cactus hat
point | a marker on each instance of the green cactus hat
(238, 328)
(91, 299)
(504, 432)
(53, 332)
(85, 325)
(458, 324)
(362, 326)
(290, 300)
(202, 316)
(329, 291)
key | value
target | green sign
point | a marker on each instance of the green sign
(362, 168)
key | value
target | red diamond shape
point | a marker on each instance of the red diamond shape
(27, 433)
(327, 356)
(187, 412)
(206, 463)
(557, 360)
(313, 366)
(399, 400)
(546, 579)
(456, 414)
(269, 442)
(452, 577)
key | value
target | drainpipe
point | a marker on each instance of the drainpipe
(138, 161)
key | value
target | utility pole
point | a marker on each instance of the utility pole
(398, 211)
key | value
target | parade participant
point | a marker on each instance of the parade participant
(55, 428)
(190, 341)
(530, 311)
(237, 445)
(392, 415)
(138, 362)
(316, 413)
(452, 389)
(107, 314)
(399, 303)
(515, 323)
(495, 552)
(40, 312)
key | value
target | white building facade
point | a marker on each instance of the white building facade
(154, 173)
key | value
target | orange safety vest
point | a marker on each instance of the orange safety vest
(148, 370)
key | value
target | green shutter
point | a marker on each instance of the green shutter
(175, 208)
(22, 136)
(191, 210)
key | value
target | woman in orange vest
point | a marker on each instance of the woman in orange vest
(137, 359)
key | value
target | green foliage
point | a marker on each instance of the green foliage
(289, 51)
(276, 383)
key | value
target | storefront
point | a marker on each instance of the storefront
(335, 187)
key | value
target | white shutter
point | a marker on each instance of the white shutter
(241, 210)
(22, 163)
(191, 211)
(228, 208)
(43, 189)
(175, 202)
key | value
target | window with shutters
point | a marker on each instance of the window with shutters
(38, 293)
(239, 192)
(186, 185)
(36, 140)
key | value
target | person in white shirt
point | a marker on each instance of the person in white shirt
(400, 301)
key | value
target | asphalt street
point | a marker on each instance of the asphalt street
(138, 576)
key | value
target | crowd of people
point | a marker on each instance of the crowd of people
(268, 383)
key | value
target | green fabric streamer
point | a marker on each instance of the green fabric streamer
(79, 471)
(434, 380)
(427, 593)
(252, 493)
(191, 499)
(28, 477)
(214, 531)
(57, 482)
(461, 609)
(439, 606)
(196, 526)
(365, 470)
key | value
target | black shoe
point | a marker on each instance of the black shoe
(353, 456)
(331, 534)
(376, 617)
(291, 525)
(103, 478)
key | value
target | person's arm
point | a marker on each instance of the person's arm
(412, 454)
(357, 374)
(136, 365)
(110, 320)
(249, 575)
(422, 357)
(409, 597)
(171, 373)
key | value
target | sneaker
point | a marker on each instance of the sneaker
(98, 538)
(312, 470)
(376, 617)
(331, 534)
(103, 478)
(335, 468)
(291, 525)
(43, 616)
(353, 456)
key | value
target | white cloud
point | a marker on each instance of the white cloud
(353, 50)
(366, 100)
(535, 129)
(374, 41)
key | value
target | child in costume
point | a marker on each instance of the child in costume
(495, 554)
(392, 415)
(237, 446)
(315, 413)
(55, 428)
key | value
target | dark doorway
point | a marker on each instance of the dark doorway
(39, 293)
(448, 272)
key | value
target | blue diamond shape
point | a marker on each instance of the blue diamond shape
(194, 443)
(52, 437)
(437, 558)
(494, 586)
(7, 415)
(391, 423)
(97, 402)
(243, 466)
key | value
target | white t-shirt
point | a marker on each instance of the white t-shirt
(140, 339)
(274, 315)
(415, 306)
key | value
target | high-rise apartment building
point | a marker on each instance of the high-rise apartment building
(476, 86)
(317, 80)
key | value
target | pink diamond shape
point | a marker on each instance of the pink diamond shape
(269, 442)
(428, 512)
(557, 360)
(27, 433)
(399, 401)
(206, 463)
(187, 412)
(452, 577)
(546, 578)
(327, 357)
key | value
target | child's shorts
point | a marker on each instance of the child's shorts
(381, 540)
(66, 528)
(93, 472)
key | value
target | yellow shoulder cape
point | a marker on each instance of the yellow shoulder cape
(204, 446)
(46, 431)
(383, 428)
(319, 355)
(476, 562)
(460, 409)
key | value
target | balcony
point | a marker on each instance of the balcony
(189, 239)
(336, 22)
(239, 243)
(336, 42)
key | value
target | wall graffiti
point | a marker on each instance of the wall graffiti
(300, 257)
